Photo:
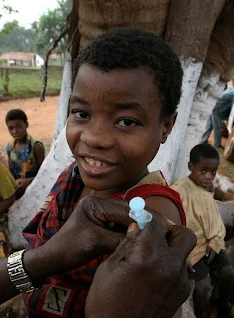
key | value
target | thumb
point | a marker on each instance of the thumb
(133, 227)
(113, 240)
(130, 239)
(190, 268)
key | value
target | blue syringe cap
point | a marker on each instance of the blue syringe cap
(137, 204)
(138, 213)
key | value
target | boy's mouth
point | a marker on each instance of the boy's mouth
(96, 167)
(95, 162)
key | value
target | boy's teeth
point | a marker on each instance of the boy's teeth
(94, 162)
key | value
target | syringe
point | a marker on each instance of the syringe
(138, 213)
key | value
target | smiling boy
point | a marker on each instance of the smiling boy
(123, 106)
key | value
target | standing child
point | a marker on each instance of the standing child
(8, 187)
(123, 106)
(203, 218)
(25, 154)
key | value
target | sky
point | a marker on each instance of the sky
(28, 11)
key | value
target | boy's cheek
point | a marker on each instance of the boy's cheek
(71, 136)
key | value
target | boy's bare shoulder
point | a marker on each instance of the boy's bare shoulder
(165, 206)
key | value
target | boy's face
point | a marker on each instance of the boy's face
(114, 127)
(17, 128)
(204, 171)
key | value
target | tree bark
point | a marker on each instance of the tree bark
(218, 68)
(65, 93)
(208, 91)
(190, 24)
(148, 15)
(189, 28)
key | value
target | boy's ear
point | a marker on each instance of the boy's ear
(26, 124)
(190, 166)
(168, 123)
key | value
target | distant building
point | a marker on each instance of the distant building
(55, 59)
(30, 59)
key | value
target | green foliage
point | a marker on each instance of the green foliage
(8, 27)
(27, 82)
(2, 61)
(49, 27)
(16, 38)
(41, 35)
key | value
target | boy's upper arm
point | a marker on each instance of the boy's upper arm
(165, 206)
(39, 152)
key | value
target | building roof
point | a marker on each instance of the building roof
(22, 56)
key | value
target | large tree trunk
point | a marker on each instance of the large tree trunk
(209, 89)
(189, 28)
(218, 69)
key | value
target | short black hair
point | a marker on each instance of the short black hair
(129, 48)
(203, 151)
(16, 114)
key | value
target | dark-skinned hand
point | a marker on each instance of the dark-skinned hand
(146, 276)
(210, 254)
(85, 235)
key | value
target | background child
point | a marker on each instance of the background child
(25, 154)
(204, 219)
(8, 187)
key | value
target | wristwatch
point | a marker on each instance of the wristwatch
(17, 274)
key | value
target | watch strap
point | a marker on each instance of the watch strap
(17, 273)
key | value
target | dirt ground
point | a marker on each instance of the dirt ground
(41, 118)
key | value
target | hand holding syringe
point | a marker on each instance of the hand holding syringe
(138, 213)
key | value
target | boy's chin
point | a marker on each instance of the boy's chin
(205, 186)
(101, 186)
(95, 184)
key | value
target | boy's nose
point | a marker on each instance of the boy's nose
(98, 138)
(209, 176)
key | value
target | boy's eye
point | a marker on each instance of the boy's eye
(80, 114)
(203, 171)
(127, 122)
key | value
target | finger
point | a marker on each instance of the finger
(208, 250)
(108, 241)
(181, 238)
(190, 268)
(169, 222)
(133, 227)
(103, 210)
(210, 258)
(128, 243)
(137, 243)
(155, 231)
